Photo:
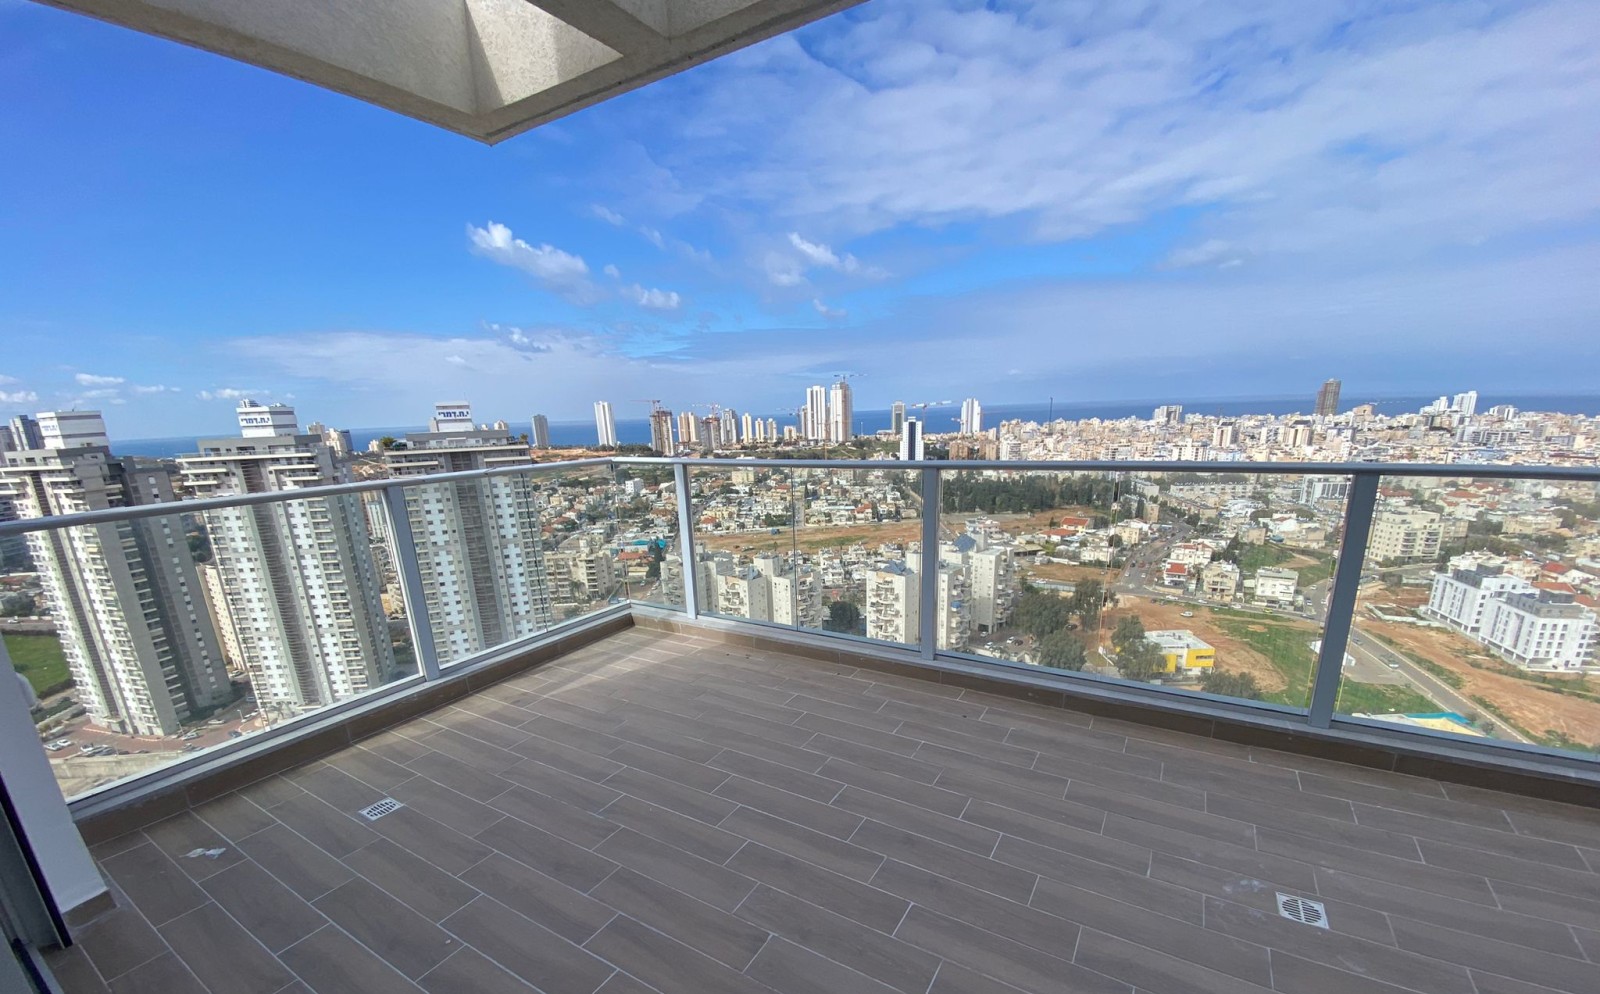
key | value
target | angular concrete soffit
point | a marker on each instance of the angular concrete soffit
(488, 69)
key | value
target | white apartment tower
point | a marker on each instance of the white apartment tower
(299, 576)
(971, 416)
(814, 416)
(605, 425)
(128, 602)
(1465, 403)
(661, 432)
(479, 543)
(539, 436)
(747, 429)
(841, 412)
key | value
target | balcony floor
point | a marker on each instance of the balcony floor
(664, 812)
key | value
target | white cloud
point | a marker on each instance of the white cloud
(557, 271)
(612, 271)
(18, 396)
(456, 360)
(607, 215)
(653, 236)
(783, 270)
(91, 380)
(653, 299)
(1211, 252)
(831, 313)
(1347, 129)
(227, 393)
(155, 388)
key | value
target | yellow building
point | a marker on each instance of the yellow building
(1183, 651)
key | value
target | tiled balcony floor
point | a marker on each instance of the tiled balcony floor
(662, 812)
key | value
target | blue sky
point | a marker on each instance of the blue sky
(1011, 201)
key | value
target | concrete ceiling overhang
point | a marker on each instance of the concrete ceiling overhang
(488, 69)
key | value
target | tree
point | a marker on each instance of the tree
(1129, 631)
(1241, 685)
(1141, 660)
(1062, 651)
(843, 616)
(1088, 597)
(1039, 613)
(387, 442)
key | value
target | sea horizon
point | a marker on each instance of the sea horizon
(580, 433)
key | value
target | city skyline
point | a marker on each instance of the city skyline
(1315, 213)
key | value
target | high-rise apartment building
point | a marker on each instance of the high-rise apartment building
(841, 412)
(814, 416)
(71, 429)
(971, 416)
(299, 576)
(747, 428)
(893, 604)
(129, 606)
(605, 424)
(911, 439)
(25, 434)
(688, 429)
(1465, 404)
(661, 432)
(479, 542)
(772, 429)
(897, 417)
(540, 434)
(451, 415)
(1328, 399)
(1168, 414)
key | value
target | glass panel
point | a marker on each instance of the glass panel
(167, 635)
(857, 560)
(1477, 611)
(1206, 582)
(645, 509)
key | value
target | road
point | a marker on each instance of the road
(1368, 648)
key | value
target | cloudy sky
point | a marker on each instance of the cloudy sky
(1181, 199)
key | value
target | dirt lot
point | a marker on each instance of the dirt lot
(812, 539)
(1536, 710)
(1063, 573)
(1233, 655)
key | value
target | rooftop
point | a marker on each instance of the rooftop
(667, 812)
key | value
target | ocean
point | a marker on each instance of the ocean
(636, 431)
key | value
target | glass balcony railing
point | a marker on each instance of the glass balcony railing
(1435, 601)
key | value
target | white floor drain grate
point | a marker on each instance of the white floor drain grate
(373, 812)
(1303, 910)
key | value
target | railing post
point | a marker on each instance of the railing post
(1358, 510)
(691, 600)
(928, 580)
(410, 575)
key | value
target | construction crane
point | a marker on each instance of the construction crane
(655, 405)
(923, 407)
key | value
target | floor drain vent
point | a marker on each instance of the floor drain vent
(373, 812)
(1302, 910)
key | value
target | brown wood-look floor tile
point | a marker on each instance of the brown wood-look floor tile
(447, 807)
(407, 941)
(426, 889)
(560, 819)
(875, 954)
(296, 862)
(681, 831)
(1001, 958)
(223, 954)
(712, 883)
(73, 971)
(526, 948)
(166, 974)
(791, 969)
(698, 804)
(331, 962)
(155, 884)
(1151, 970)
(823, 888)
(567, 912)
(729, 940)
(235, 816)
(118, 941)
(468, 971)
(797, 840)
(671, 967)
(573, 865)
(268, 910)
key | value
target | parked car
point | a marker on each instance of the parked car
(235, 734)
(1188, 614)
(190, 736)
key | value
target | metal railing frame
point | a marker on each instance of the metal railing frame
(1321, 712)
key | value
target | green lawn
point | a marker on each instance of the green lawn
(1267, 554)
(39, 658)
(1321, 570)
(1289, 649)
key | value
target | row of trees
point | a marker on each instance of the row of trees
(970, 492)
